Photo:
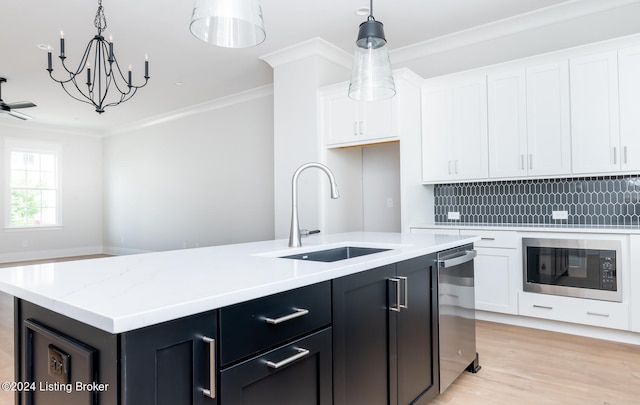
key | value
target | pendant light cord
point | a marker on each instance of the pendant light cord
(371, 18)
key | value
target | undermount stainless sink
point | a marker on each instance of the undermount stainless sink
(335, 254)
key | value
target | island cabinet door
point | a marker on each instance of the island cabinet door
(66, 362)
(170, 363)
(417, 325)
(384, 331)
(297, 373)
(364, 369)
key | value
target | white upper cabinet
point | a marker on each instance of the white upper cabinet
(348, 122)
(629, 77)
(548, 120)
(454, 129)
(508, 156)
(595, 130)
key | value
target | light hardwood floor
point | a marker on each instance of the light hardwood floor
(520, 366)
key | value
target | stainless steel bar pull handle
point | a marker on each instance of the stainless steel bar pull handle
(298, 312)
(598, 314)
(542, 306)
(211, 392)
(406, 293)
(301, 353)
(397, 307)
(615, 155)
(457, 260)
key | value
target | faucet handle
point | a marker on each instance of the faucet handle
(306, 232)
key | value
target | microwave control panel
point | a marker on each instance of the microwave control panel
(608, 270)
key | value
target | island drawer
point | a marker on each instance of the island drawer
(251, 327)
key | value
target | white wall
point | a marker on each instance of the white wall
(299, 72)
(381, 187)
(197, 179)
(80, 197)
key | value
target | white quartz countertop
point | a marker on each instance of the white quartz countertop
(122, 293)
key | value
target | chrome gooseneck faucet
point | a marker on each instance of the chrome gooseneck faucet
(294, 234)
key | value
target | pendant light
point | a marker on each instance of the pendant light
(371, 77)
(228, 23)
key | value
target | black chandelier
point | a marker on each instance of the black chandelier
(105, 75)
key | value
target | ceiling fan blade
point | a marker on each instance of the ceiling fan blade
(20, 115)
(21, 104)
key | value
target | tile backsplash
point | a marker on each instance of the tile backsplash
(595, 201)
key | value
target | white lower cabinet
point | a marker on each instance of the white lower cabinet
(496, 280)
(604, 314)
(498, 270)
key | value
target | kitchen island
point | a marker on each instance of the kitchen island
(127, 327)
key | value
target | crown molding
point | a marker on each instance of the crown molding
(50, 128)
(244, 96)
(312, 47)
(508, 26)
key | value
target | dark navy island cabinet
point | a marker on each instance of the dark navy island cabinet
(367, 338)
(384, 335)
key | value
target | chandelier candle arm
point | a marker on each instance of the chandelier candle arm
(62, 44)
(104, 77)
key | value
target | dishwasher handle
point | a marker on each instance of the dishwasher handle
(457, 260)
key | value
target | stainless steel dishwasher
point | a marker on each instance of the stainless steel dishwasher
(456, 314)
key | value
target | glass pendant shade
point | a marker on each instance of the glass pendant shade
(371, 77)
(228, 23)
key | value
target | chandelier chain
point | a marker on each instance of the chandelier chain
(100, 22)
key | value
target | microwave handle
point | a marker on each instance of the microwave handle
(457, 260)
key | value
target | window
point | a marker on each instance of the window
(33, 184)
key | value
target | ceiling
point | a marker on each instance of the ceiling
(160, 29)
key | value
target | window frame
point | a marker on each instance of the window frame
(36, 147)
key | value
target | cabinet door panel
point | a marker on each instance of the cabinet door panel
(548, 120)
(496, 280)
(417, 325)
(629, 60)
(377, 119)
(361, 338)
(470, 129)
(507, 126)
(594, 114)
(437, 143)
(340, 119)
(305, 381)
(168, 363)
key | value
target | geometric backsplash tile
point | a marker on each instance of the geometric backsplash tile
(594, 201)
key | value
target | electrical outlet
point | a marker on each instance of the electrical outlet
(390, 202)
(560, 214)
(59, 364)
(453, 215)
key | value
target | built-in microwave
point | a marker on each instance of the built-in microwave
(573, 268)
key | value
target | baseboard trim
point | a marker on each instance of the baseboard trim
(50, 254)
(614, 335)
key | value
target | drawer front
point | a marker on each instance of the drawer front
(604, 314)
(494, 239)
(434, 231)
(293, 374)
(250, 327)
